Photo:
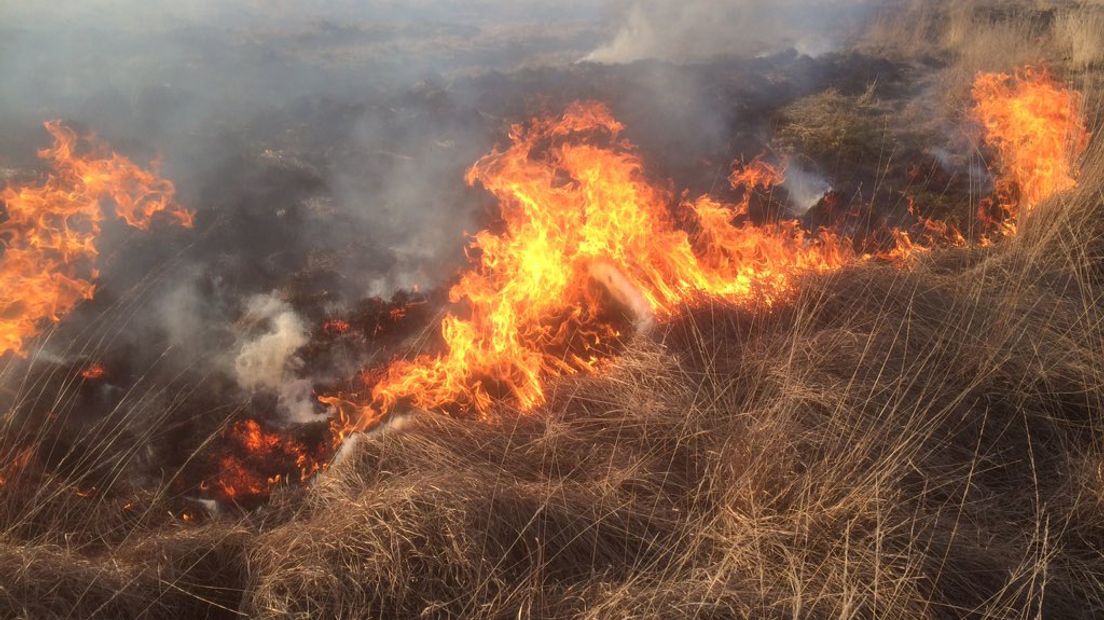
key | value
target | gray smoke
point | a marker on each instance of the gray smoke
(687, 30)
(301, 131)
(323, 143)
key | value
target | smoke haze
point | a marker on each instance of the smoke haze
(687, 30)
(269, 362)
(323, 144)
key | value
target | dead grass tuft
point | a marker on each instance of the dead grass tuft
(833, 127)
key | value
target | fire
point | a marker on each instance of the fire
(929, 233)
(335, 327)
(14, 464)
(50, 230)
(576, 208)
(587, 250)
(256, 450)
(1037, 129)
(95, 371)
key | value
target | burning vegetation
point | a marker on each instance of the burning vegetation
(1037, 129)
(578, 211)
(744, 384)
(49, 230)
(589, 251)
(255, 460)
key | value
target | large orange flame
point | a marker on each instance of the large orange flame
(1038, 131)
(48, 236)
(576, 210)
(588, 247)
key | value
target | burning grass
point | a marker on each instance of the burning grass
(917, 443)
(49, 231)
(893, 443)
(916, 438)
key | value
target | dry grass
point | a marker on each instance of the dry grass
(920, 442)
(186, 573)
(1082, 32)
(833, 127)
(962, 38)
(898, 443)
(990, 35)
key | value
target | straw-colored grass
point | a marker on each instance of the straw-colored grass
(897, 443)
(832, 127)
(1082, 31)
(904, 442)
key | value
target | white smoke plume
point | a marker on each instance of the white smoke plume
(269, 361)
(688, 30)
(804, 186)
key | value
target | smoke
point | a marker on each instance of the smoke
(269, 361)
(300, 132)
(323, 145)
(402, 180)
(804, 186)
(687, 30)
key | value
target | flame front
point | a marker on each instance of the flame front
(586, 250)
(577, 210)
(50, 230)
(1038, 131)
(255, 450)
